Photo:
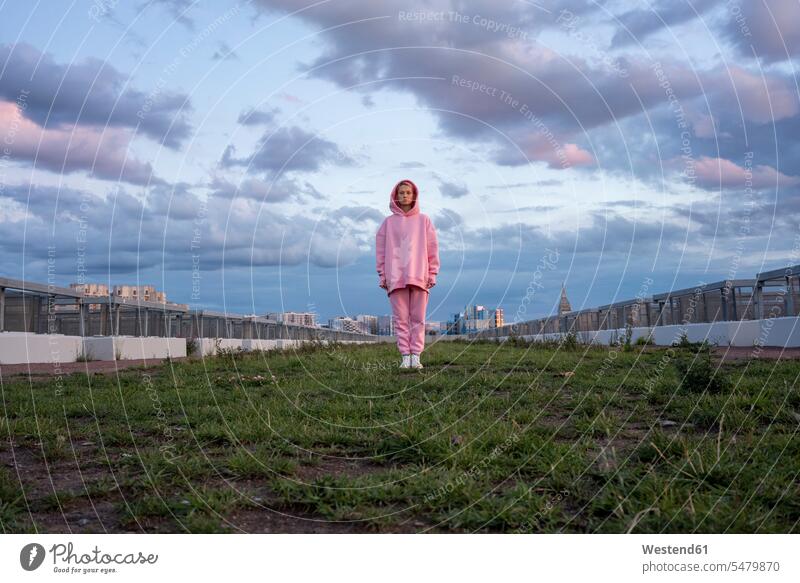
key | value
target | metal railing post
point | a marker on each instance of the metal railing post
(788, 299)
(758, 295)
(2, 309)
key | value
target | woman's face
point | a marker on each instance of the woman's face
(405, 195)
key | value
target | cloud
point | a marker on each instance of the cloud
(715, 173)
(539, 208)
(536, 147)
(452, 189)
(252, 116)
(448, 220)
(763, 99)
(371, 48)
(766, 29)
(288, 149)
(548, 104)
(179, 9)
(603, 235)
(102, 154)
(224, 53)
(89, 93)
(121, 233)
(266, 190)
(359, 213)
(635, 25)
(546, 182)
(752, 115)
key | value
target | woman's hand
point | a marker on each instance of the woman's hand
(382, 283)
(431, 282)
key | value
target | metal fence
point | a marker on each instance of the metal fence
(43, 309)
(771, 294)
(777, 292)
(40, 308)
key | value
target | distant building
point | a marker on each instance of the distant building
(499, 321)
(294, 318)
(563, 304)
(144, 293)
(474, 318)
(346, 324)
(96, 290)
(91, 289)
(453, 324)
(456, 324)
(369, 322)
(476, 312)
(127, 293)
(435, 327)
(385, 326)
(479, 325)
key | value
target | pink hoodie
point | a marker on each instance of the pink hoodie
(406, 246)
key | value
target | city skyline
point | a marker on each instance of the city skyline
(367, 323)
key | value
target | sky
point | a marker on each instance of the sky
(240, 155)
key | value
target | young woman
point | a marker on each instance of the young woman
(407, 260)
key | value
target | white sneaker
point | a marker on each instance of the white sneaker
(415, 363)
(406, 361)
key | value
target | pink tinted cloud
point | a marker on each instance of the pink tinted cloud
(760, 99)
(719, 172)
(768, 28)
(536, 147)
(291, 98)
(102, 154)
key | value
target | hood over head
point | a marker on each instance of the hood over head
(395, 208)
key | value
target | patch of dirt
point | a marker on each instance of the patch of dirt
(78, 512)
(45, 371)
(337, 467)
(265, 513)
(40, 479)
(81, 515)
(266, 520)
(75, 510)
(728, 353)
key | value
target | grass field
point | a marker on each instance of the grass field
(487, 438)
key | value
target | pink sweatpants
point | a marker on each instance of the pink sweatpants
(408, 313)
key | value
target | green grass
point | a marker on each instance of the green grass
(512, 438)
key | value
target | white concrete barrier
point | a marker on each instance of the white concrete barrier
(209, 346)
(132, 347)
(744, 333)
(713, 333)
(780, 332)
(606, 336)
(639, 332)
(249, 344)
(25, 347)
(784, 332)
(666, 335)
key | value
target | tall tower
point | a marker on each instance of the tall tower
(563, 305)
